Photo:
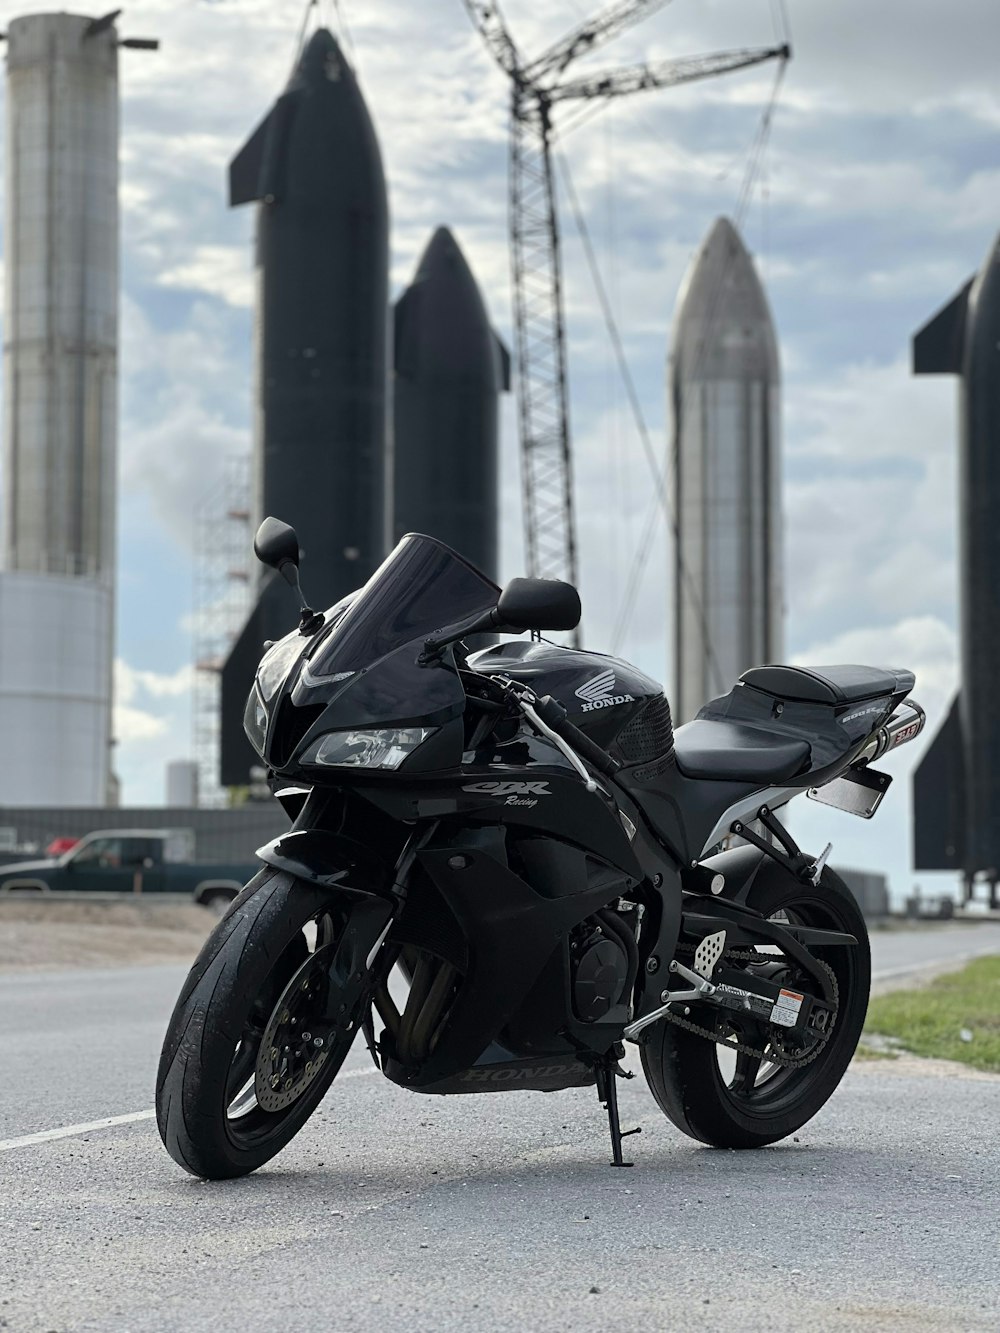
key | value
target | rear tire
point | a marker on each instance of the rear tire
(685, 1072)
(218, 1025)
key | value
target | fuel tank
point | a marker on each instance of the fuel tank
(607, 698)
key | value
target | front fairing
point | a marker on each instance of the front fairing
(524, 784)
(361, 671)
(394, 692)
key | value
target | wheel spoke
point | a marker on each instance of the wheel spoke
(241, 1070)
(747, 1069)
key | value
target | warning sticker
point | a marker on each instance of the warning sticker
(786, 1008)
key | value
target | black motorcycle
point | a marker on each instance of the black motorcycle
(504, 864)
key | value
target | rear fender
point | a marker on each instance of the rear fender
(331, 860)
(738, 867)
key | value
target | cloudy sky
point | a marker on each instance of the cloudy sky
(879, 195)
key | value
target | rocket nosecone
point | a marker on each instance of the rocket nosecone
(724, 387)
(957, 785)
(449, 368)
(314, 169)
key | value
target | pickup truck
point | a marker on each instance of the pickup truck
(130, 861)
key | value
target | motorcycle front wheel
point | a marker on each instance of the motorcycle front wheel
(732, 1099)
(257, 1035)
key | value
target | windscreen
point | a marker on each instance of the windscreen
(421, 587)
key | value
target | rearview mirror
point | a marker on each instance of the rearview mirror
(276, 545)
(539, 604)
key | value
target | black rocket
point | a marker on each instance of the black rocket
(449, 368)
(956, 789)
(314, 169)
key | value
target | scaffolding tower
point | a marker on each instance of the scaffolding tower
(222, 600)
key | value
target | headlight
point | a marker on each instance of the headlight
(276, 664)
(383, 748)
(255, 721)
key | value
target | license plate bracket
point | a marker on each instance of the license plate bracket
(859, 791)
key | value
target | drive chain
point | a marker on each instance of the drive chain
(775, 1057)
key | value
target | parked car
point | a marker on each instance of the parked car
(58, 846)
(130, 861)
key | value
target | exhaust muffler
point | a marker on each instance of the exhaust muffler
(905, 725)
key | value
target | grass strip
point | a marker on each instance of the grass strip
(955, 1017)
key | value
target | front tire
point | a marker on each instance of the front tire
(217, 903)
(270, 946)
(698, 1088)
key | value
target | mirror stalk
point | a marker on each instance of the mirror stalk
(277, 545)
(436, 643)
(309, 620)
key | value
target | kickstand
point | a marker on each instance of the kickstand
(607, 1091)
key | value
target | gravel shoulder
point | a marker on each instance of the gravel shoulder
(45, 933)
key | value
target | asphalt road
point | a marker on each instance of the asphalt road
(901, 953)
(392, 1211)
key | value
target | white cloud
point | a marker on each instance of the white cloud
(130, 682)
(218, 270)
(186, 408)
(152, 725)
(132, 726)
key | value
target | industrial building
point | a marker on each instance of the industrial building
(206, 835)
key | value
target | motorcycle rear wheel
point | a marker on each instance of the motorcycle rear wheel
(693, 1079)
(263, 963)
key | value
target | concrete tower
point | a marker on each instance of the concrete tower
(724, 387)
(60, 410)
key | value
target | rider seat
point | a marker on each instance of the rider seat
(732, 752)
(740, 738)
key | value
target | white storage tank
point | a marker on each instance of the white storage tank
(60, 410)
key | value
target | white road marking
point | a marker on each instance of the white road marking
(109, 1122)
(70, 1131)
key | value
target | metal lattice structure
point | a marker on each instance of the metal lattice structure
(222, 598)
(539, 324)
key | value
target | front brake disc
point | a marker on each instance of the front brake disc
(294, 1048)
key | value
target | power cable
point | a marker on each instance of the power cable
(311, 5)
(633, 398)
(345, 30)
